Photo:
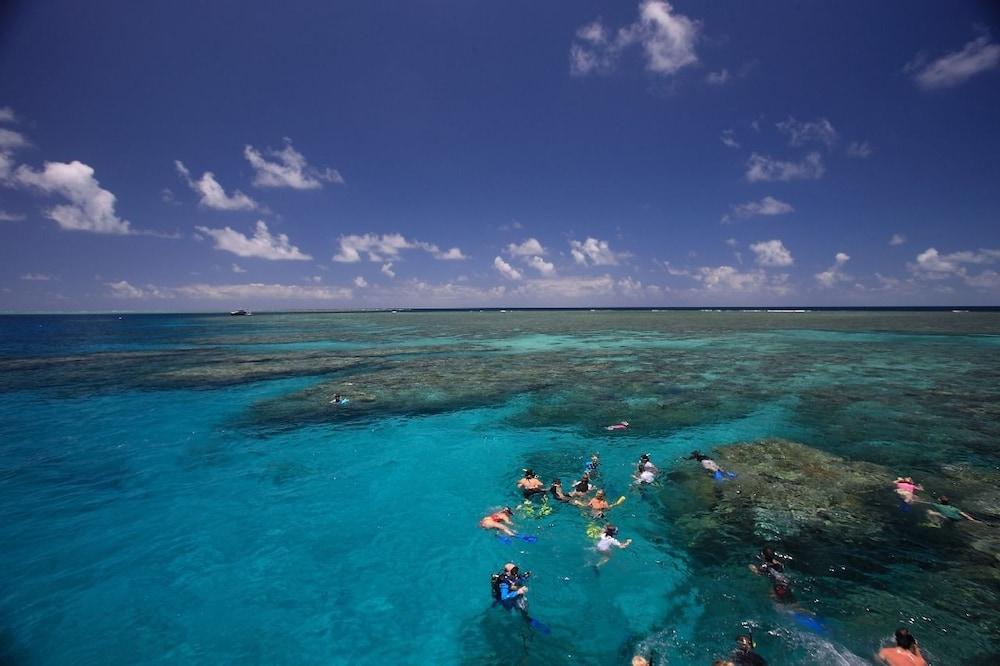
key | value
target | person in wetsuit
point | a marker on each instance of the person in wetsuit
(771, 567)
(583, 486)
(744, 654)
(557, 491)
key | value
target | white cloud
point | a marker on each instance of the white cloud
(932, 265)
(262, 245)
(259, 291)
(859, 150)
(123, 289)
(238, 269)
(728, 139)
(90, 208)
(556, 290)
(7, 115)
(594, 252)
(768, 206)
(988, 279)
(726, 279)
(718, 78)
(388, 246)
(212, 193)
(667, 39)
(979, 55)
(10, 217)
(526, 249)
(387, 270)
(897, 239)
(802, 132)
(36, 277)
(542, 266)
(10, 140)
(6, 166)
(360, 282)
(761, 168)
(506, 269)
(772, 253)
(290, 169)
(834, 274)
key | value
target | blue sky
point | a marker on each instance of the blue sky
(210, 156)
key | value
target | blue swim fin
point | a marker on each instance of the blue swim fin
(529, 538)
(504, 538)
(809, 622)
(731, 475)
(539, 627)
(718, 475)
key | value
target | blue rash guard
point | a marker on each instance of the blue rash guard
(509, 598)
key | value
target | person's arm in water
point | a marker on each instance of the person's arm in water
(507, 593)
(968, 517)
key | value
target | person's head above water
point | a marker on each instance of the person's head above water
(644, 457)
(556, 482)
(508, 511)
(529, 473)
(767, 553)
(904, 638)
(744, 642)
(585, 477)
(610, 530)
(944, 500)
(698, 455)
(599, 494)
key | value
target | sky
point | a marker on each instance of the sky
(209, 156)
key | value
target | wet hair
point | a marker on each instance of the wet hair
(556, 482)
(767, 553)
(644, 457)
(745, 641)
(943, 500)
(509, 511)
(610, 530)
(698, 455)
(904, 639)
(528, 473)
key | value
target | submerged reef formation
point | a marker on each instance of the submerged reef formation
(840, 520)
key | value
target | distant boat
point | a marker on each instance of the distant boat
(240, 313)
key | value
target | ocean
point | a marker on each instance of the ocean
(178, 488)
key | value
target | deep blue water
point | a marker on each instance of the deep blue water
(177, 488)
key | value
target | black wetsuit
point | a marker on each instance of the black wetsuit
(748, 658)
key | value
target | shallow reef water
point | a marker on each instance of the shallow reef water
(180, 488)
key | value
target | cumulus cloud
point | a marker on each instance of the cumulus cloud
(800, 132)
(90, 208)
(123, 289)
(7, 115)
(360, 282)
(542, 266)
(859, 150)
(238, 269)
(594, 252)
(11, 140)
(767, 206)
(388, 246)
(730, 280)
(289, 170)
(834, 274)
(772, 253)
(10, 217)
(254, 291)
(897, 239)
(761, 168)
(932, 265)
(262, 245)
(728, 139)
(526, 249)
(387, 270)
(980, 55)
(211, 192)
(667, 39)
(717, 78)
(506, 269)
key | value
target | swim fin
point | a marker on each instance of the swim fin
(718, 475)
(731, 475)
(809, 622)
(504, 538)
(539, 627)
(528, 538)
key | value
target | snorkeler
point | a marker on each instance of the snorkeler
(531, 485)
(591, 467)
(711, 466)
(744, 654)
(781, 586)
(557, 491)
(621, 425)
(598, 504)
(905, 653)
(582, 487)
(500, 521)
(336, 399)
(645, 470)
(609, 540)
(906, 488)
(944, 509)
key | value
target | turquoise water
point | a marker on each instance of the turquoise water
(178, 489)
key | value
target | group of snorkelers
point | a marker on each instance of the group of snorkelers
(937, 512)
(509, 588)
